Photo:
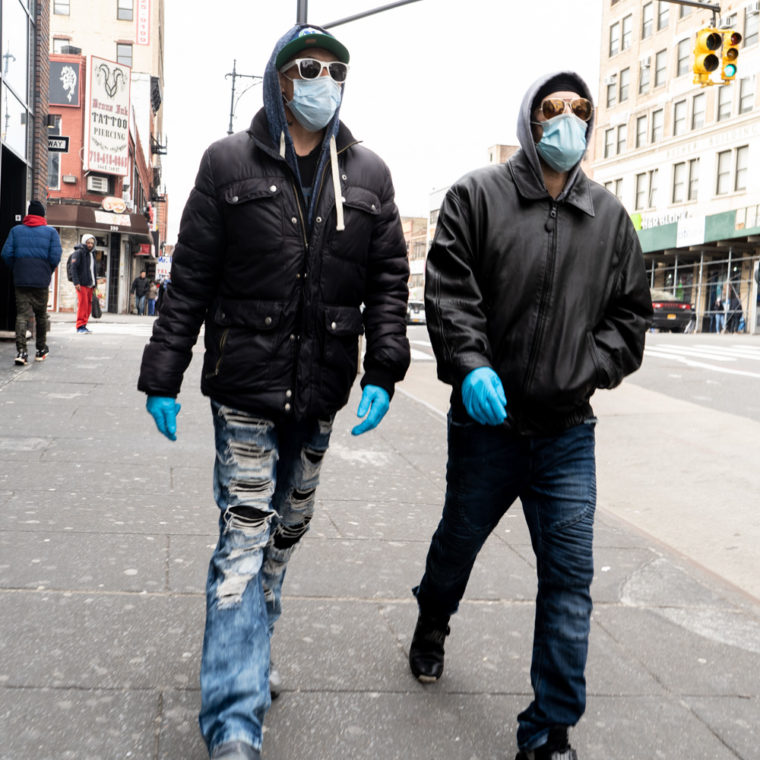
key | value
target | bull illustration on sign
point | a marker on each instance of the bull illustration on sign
(113, 80)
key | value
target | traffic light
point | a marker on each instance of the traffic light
(731, 40)
(705, 59)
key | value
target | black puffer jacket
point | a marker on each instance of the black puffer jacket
(282, 303)
(550, 293)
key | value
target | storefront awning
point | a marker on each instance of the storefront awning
(89, 218)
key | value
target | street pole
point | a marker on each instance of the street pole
(235, 76)
(364, 14)
(706, 6)
(302, 11)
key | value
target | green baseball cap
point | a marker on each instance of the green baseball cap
(311, 37)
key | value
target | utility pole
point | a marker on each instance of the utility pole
(302, 12)
(694, 4)
(235, 76)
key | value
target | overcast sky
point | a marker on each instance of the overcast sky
(432, 85)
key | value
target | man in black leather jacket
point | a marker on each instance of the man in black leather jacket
(535, 296)
(291, 228)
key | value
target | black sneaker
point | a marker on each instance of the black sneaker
(556, 748)
(40, 355)
(426, 651)
(21, 359)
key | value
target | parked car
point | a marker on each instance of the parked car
(671, 314)
(415, 313)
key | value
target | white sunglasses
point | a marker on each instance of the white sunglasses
(311, 68)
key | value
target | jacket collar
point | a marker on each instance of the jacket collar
(577, 192)
(259, 131)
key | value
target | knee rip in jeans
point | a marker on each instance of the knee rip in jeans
(247, 519)
(286, 536)
(249, 454)
(248, 488)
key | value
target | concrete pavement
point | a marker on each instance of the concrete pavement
(105, 533)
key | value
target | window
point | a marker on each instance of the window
(615, 186)
(59, 43)
(693, 177)
(723, 175)
(647, 20)
(663, 15)
(724, 102)
(124, 10)
(61, 7)
(658, 119)
(679, 117)
(646, 189)
(740, 178)
(641, 131)
(622, 136)
(698, 111)
(625, 82)
(684, 11)
(124, 53)
(644, 69)
(751, 28)
(612, 91)
(627, 32)
(683, 57)
(746, 94)
(614, 39)
(679, 182)
(660, 67)
(609, 142)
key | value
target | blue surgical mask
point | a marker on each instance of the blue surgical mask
(564, 141)
(315, 102)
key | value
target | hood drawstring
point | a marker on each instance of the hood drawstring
(282, 144)
(339, 199)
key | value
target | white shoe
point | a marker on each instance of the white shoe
(275, 680)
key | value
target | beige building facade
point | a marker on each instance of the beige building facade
(680, 156)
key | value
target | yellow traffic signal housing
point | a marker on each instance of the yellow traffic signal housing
(731, 40)
(705, 58)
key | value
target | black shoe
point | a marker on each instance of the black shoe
(40, 355)
(235, 751)
(426, 650)
(556, 748)
(21, 359)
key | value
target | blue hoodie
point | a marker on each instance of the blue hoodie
(275, 110)
(32, 252)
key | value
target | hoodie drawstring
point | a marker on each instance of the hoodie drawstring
(282, 144)
(340, 226)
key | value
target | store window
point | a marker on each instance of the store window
(641, 131)
(698, 111)
(660, 67)
(647, 20)
(14, 118)
(15, 29)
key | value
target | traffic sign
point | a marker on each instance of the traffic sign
(58, 144)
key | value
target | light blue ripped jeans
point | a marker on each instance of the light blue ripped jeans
(265, 476)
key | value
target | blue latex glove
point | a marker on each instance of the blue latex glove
(164, 410)
(484, 397)
(376, 401)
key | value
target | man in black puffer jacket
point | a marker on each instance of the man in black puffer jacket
(290, 230)
(536, 295)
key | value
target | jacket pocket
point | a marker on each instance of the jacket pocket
(361, 211)
(602, 377)
(341, 327)
(254, 215)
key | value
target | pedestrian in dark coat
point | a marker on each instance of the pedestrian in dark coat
(32, 252)
(85, 279)
(536, 295)
(290, 248)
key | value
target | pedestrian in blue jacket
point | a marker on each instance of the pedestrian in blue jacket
(32, 252)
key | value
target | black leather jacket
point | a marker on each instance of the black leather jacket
(281, 302)
(552, 294)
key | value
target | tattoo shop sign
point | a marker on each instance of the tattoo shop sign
(107, 123)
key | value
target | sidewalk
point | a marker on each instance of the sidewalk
(106, 529)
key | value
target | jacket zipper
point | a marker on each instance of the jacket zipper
(542, 306)
(222, 344)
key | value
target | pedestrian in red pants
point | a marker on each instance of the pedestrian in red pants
(83, 274)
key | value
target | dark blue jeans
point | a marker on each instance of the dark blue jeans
(555, 479)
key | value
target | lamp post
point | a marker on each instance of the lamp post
(235, 76)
